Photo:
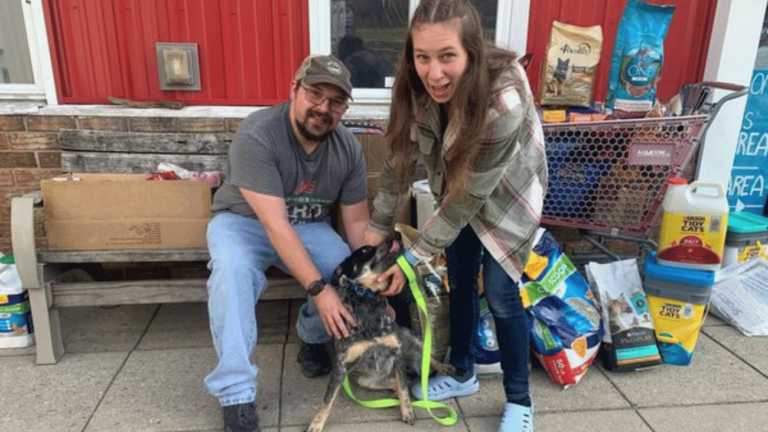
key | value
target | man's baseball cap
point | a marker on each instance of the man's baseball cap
(325, 69)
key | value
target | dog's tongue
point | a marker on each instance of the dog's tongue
(395, 247)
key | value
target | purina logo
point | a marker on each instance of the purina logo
(645, 153)
(583, 49)
(334, 67)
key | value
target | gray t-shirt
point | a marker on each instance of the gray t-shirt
(265, 157)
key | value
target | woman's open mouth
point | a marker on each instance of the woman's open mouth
(440, 91)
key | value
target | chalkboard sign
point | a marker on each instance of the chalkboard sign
(748, 187)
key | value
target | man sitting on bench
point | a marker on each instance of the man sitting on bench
(287, 166)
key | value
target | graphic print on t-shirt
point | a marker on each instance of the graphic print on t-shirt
(303, 207)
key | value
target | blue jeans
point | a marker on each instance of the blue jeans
(240, 254)
(464, 257)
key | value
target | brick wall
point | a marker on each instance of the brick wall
(29, 152)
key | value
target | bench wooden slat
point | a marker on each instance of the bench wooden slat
(157, 291)
(148, 255)
(144, 142)
(94, 162)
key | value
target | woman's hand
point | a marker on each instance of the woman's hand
(396, 284)
(373, 238)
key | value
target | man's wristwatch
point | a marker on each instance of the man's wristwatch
(316, 287)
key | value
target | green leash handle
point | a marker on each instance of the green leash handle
(425, 403)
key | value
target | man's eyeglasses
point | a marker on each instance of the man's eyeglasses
(317, 97)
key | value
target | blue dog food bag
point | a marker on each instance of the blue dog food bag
(638, 58)
(564, 320)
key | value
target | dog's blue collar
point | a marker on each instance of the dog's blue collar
(361, 290)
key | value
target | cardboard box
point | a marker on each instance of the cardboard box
(553, 116)
(125, 211)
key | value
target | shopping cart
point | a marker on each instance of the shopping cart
(608, 178)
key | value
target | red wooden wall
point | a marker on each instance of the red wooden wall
(248, 49)
(685, 47)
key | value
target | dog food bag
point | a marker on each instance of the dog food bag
(433, 284)
(485, 343)
(564, 319)
(570, 64)
(638, 57)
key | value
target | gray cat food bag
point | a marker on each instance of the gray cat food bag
(570, 64)
(638, 57)
(629, 340)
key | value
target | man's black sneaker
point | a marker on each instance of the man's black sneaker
(241, 418)
(314, 359)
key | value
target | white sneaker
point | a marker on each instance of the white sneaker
(517, 418)
(444, 387)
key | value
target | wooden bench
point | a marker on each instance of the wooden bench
(42, 271)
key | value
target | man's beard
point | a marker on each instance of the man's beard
(304, 128)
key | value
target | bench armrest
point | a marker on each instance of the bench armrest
(23, 239)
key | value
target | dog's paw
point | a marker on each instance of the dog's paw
(315, 426)
(444, 368)
(409, 417)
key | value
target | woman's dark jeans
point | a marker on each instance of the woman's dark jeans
(464, 257)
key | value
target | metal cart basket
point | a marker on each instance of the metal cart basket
(608, 178)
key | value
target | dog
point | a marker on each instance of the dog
(555, 85)
(378, 354)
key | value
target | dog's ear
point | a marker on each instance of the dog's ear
(525, 60)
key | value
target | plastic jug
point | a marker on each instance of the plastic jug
(693, 226)
(16, 330)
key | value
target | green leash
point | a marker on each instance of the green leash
(452, 417)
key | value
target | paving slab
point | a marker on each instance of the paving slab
(715, 375)
(625, 420)
(594, 391)
(714, 321)
(163, 390)
(104, 328)
(753, 350)
(384, 426)
(178, 325)
(186, 325)
(55, 398)
(736, 417)
(302, 397)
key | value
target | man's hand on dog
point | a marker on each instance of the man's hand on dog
(335, 316)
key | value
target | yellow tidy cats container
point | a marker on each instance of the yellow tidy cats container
(693, 226)
(677, 300)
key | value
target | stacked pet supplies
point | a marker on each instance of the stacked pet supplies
(563, 317)
(16, 330)
(693, 225)
(678, 299)
(746, 238)
(629, 342)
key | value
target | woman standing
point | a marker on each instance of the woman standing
(465, 107)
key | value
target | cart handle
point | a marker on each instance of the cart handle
(724, 85)
(738, 91)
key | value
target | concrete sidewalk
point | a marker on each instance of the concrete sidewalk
(140, 368)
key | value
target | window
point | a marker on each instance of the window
(25, 67)
(368, 36)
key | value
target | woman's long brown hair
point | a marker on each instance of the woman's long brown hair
(468, 106)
